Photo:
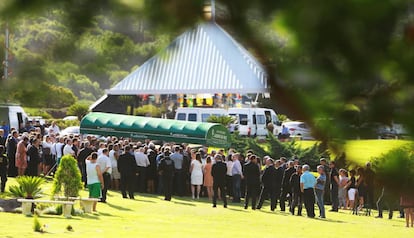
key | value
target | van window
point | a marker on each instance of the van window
(192, 117)
(243, 120)
(204, 117)
(261, 119)
(181, 116)
(268, 117)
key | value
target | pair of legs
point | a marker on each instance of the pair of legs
(283, 197)
(21, 171)
(270, 193)
(252, 192)
(236, 180)
(309, 200)
(217, 189)
(195, 191)
(351, 197)
(319, 200)
(296, 201)
(409, 215)
(209, 192)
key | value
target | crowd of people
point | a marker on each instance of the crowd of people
(178, 170)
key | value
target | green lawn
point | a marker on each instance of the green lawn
(361, 151)
(150, 216)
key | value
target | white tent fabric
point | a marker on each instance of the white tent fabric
(202, 60)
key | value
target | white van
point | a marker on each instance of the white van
(198, 114)
(13, 116)
(254, 121)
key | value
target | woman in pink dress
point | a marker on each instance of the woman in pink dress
(21, 157)
(208, 178)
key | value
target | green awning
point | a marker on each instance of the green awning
(141, 128)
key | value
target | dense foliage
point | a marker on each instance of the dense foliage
(395, 170)
(275, 149)
(52, 66)
(28, 187)
(67, 178)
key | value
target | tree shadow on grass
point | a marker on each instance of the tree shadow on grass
(118, 207)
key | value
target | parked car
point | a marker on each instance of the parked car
(71, 130)
(298, 129)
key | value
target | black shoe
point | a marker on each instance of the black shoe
(225, 206)
(333, 210)
(214, 206)
(124, 197)
(378, 217)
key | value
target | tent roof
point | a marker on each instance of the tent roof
(140, 128)
(202, 60)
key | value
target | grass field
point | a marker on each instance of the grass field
(361, 151)
(150, 216)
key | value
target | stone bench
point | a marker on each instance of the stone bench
(85, 203)
(28, 203)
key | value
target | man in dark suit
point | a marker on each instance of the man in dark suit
(252, 177)
(269, 185)
(82, 156)
(219, 171)
(127, 168)
(278, 178)
(167, 169)
(286, 188)
(11, 153)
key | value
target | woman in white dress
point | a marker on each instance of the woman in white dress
(196, 171)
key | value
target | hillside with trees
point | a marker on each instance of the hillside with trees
(51, 66)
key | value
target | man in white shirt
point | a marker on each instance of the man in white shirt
(68, 150)
(142, 162)
(58, 148)
(106, 168)
(53, 128)
(115, 175)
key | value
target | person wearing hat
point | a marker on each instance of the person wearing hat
(269, 185)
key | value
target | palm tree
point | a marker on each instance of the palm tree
(28, 187)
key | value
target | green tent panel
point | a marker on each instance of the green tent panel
(139, 128)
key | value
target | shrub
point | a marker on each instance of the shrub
(28, 187)
(63, 124)
(67, 176)
(395, 170)
(223, 120)
(149, 110)
(277, 149)
(78, 109)
(37, 227)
